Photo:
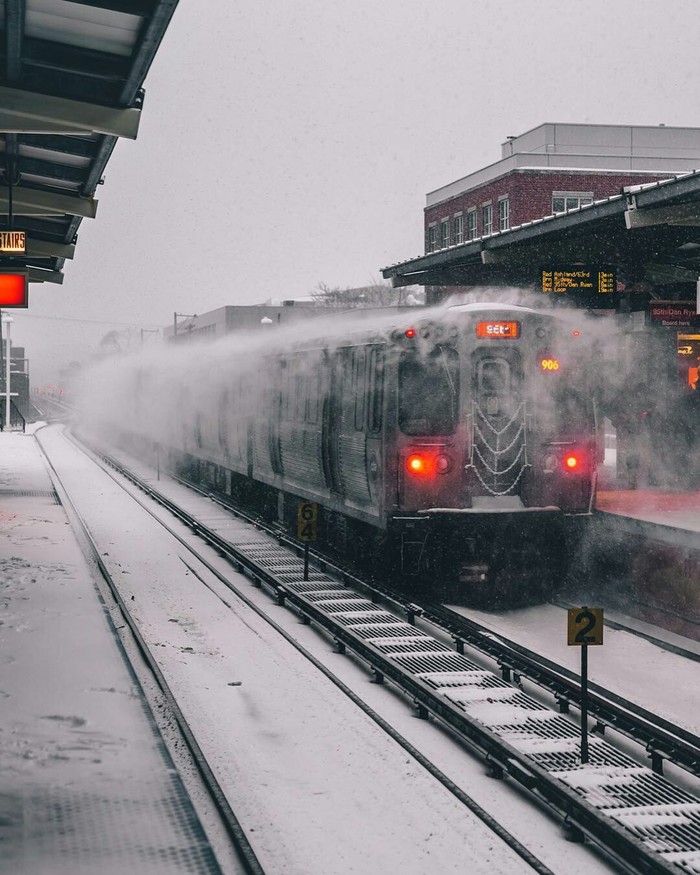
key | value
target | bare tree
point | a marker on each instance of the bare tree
(377, 294)
(118, 342)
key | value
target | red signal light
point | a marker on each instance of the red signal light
(571, 462)
(13, 289)
(410, 332)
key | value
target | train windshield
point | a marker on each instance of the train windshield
(574, 414)
(428, 392)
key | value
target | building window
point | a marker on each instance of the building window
(570, 200)
(503, 214)
(459, 228)
(471, 225)
(487, 219)
(431, 242)
(444, 233)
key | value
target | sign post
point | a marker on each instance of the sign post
(307, 525)
(585, 626)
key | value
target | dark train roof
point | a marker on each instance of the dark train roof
(71, 85)
(650, 232)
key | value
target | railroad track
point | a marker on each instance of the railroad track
(633, 812)
(244, 850)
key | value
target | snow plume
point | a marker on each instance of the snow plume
(159, 391)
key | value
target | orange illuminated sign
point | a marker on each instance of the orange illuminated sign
(12, 241)
(549, 364)
(498, 329)
(14, 290)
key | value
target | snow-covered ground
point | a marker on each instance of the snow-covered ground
(317, 784)
(85, 783)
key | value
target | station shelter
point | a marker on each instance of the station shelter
(604, 220)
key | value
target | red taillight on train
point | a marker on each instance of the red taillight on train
(573, 462)
(428, 464)
(418, 464)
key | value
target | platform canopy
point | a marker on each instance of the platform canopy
(70, 86)
(650, 234)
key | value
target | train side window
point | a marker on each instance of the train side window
(224, 404)
(313, 381)
(375, 387)
(428, 392)
(286, 387)
(358, 386)
(300, 385)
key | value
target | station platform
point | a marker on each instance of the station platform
(87, 784)
(667, 508)
(642, 549)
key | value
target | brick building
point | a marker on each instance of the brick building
(551, 169)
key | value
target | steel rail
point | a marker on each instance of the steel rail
(231, 823)
(662, 739)
(630, 852)
(225, 549)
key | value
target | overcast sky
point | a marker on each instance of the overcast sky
(283, 144)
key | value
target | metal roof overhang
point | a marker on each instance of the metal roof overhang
(650, 233)
(71, 77)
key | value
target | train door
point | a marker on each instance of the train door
(498, 422)
(348, 459)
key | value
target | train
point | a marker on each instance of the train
(441, 446)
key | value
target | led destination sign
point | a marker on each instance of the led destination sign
(12, 241)
(498, 329)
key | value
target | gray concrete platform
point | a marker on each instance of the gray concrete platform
(86, 783)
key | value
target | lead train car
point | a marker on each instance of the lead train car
(448, 447)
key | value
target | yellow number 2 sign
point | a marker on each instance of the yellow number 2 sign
(585, 626)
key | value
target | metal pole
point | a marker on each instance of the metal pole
(306, 560)
(7, 375)
(584, 703)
